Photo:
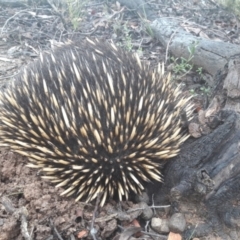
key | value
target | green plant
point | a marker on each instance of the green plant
(192, 91)
(181, 66)
(199, 71)
(233, 5)
(144, 20)
(148, 29)
(205, 90)
(127, 38)
(184, 65)
(76, 12)
(126, 43)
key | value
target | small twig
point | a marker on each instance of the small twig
(72, 237)
(166, 56)
(154, 211)
(137, 209)
(146, 225)
(55, 230)
(8, 205)
(5, 24)
(18, 213)
(92, 229)
(154, 235)
(58, 14)
(31, 232)
(108, 17)
(24, 227)
(154, 207)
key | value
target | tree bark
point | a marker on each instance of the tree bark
(206, 177)
(210, 55)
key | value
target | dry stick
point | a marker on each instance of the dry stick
(5, 24)
(166, 56)
(58, 14)
(19, 213)
(55, 230)
(92, 229)
(155, 235)
(137, 209)
(24, 227)
(6, 202)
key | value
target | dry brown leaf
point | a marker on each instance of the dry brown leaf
(174, 236)
(136, 223)
(82, 234)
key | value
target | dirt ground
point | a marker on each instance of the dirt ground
(32, 208)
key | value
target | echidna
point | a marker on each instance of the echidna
(94, 119)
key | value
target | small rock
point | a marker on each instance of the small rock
(142, 198)
(177, 223)
(159, 225)
(147, 212)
